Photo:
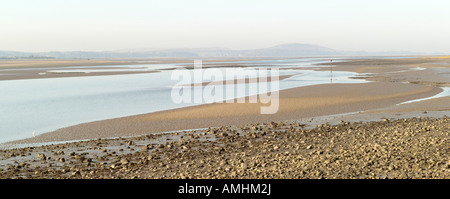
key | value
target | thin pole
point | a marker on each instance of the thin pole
(331, 70)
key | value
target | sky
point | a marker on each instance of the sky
(102, 25)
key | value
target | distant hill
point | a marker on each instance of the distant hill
(293, 49)
(283, 50)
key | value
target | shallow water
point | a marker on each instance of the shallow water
(445, 92)
(43, 105)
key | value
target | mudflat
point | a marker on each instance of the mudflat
(236, 141)
(391, 83)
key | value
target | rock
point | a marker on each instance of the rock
(219, 149)
(273, 124)
(41, 156)
(243, 166)
(223, 163)
(372, 150)
(76, 173)
(113, 166)
(391, 167)
(79, 158)
(152, 157)
(124, 161)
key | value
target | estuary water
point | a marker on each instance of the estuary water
(34, 106)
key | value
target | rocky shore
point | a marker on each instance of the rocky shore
(404, 148)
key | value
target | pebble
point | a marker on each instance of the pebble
(124, 161)
(384, 149)
(41, 156)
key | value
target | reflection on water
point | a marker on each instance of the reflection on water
(44, 105)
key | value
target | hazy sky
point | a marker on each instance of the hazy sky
(381, 25)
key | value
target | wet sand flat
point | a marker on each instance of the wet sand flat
(36, 69)
(294, 103)
(246, 80)
(305, 139)
(389, 88)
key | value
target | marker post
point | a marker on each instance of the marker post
(331, 70)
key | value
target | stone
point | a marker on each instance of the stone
(124, 161)
(75, 173)
(373, 150)
(41, 156)
(243, 166)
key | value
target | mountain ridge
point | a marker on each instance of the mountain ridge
(281, 50)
